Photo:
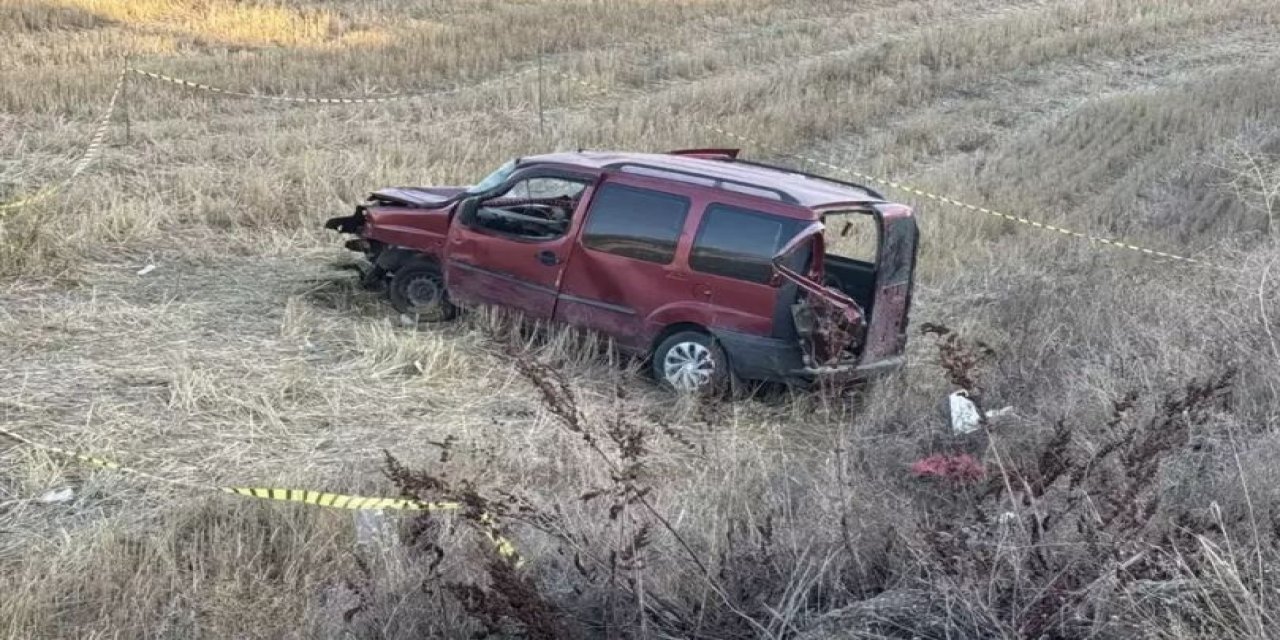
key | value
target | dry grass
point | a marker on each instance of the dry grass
(229, 22)
(244, 359)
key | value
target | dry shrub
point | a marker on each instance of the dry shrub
(1030, 549)
(600, 578)
(508, 598)
(1071, 539)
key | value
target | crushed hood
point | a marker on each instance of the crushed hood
(426, 197)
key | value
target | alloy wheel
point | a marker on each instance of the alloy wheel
(688, 366)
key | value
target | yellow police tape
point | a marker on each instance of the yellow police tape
(90, 154)
(306, 100)
(338, 500)
(932, 196)
(42, 194)
(504, 546)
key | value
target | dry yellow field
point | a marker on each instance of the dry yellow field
(1131, 491)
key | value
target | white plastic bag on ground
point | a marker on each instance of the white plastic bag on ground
(964, 413)
(64, 494)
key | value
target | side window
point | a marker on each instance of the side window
(740, 243)
(636, 223)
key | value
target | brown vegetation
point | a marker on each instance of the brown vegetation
(1130, 493)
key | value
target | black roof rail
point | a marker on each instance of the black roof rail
(731, 153)
(872, 192)
(716, 180)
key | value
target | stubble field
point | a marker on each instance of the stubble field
(1131, 491)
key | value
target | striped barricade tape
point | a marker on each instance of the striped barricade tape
(309, 100)
(90, 154)
(488, 526)
(338, 500)
(40, 195)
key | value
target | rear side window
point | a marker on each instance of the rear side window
(740, 243)
(636, 223)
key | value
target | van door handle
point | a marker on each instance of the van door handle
(548, 258)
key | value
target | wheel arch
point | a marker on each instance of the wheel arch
(674, 328)
(727, 376)
(393, 258)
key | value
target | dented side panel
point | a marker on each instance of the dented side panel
(619, 295)
(486, 268)
(635, 300)
(623, 297)
(472, 285)
(419, 229)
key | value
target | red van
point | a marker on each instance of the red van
(709, 265)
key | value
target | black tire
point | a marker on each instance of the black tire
(692, 362)
(417, 289)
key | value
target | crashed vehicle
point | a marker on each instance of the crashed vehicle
(713, 267)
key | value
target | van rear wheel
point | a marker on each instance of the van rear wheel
(691, 362)
(418, 290)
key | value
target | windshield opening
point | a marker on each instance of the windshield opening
(494, 179)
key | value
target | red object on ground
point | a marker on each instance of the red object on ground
(960, 469)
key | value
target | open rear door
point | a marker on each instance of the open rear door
(895, 279)
(829, 322)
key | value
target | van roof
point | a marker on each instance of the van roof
(806, 190)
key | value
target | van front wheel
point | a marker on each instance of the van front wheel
(691, 362)
(418, 290)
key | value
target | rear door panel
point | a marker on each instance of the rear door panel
(622, 295)
(744, 299)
